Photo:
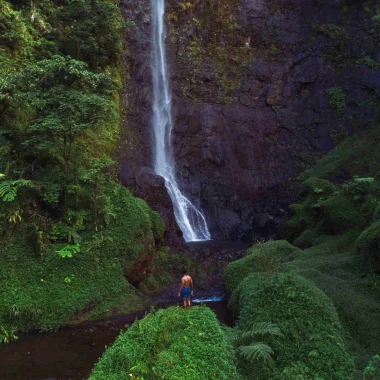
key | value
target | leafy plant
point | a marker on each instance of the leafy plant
(257, 351)
(69, 251)
(8, 189)
(372, 370)
(7, 336)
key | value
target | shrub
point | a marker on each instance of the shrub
(368, 246)
(305, 240)
(312, 345)
(170, 344)
(267, 257)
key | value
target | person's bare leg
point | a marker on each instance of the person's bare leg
(184, 303)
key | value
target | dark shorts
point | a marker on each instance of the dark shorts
(186, 293)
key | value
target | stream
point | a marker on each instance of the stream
(72, 352)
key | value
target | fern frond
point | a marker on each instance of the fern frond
(264, 328)
(8, 189)
(7, 192)
(257, 352)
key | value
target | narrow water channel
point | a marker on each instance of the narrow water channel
(71, 353)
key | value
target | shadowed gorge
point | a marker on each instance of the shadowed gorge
(234, 141)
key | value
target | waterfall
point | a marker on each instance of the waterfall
(189, 218)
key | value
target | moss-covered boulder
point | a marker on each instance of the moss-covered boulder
(368, 246)
(45, 290)
(170, 344)
(267, 257)
(340, 212)
(306, 239)
(312, 346)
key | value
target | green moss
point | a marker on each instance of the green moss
(357, 155)
(306, 317)
(170, 344)
(306, 239)
(89, 285)
(368, 246)
(337, 99)
(267, 257)
(335, 267)
(215, 43)
(316, 187)
(340, 212)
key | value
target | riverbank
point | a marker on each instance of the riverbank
(72, 352)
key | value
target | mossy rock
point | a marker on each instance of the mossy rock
(306, 239)
(267, 257)
(170, 344)
(317, 186)
(368, 246)
(377, 177)
(307, 319)
(340, 212)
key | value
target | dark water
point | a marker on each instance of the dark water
(72, 352)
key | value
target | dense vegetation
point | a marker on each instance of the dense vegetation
(71, 237)
(170, 344)
(336, 236)
(70, 233)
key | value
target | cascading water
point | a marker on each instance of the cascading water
(189, 218)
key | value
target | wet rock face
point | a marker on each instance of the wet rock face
(250, 107)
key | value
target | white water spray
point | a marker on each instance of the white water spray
(189, 218)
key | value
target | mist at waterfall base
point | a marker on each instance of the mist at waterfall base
(190, 219)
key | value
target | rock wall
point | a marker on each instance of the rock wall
(261, 88)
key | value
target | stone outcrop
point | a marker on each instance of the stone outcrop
(250, 103)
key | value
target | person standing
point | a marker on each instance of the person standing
(186, 290)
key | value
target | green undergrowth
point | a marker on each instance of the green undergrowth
(335, 267)
(311, 345)
(335, 227)
(268, 257)
(170, 344)
(71, 237)
(90, 284)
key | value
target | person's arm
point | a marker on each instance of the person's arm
(180, 290)
(192, 287)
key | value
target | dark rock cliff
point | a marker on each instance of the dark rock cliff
(260, 90)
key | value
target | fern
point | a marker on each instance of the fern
(8, 189)
(263, 328)
(257, 352)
